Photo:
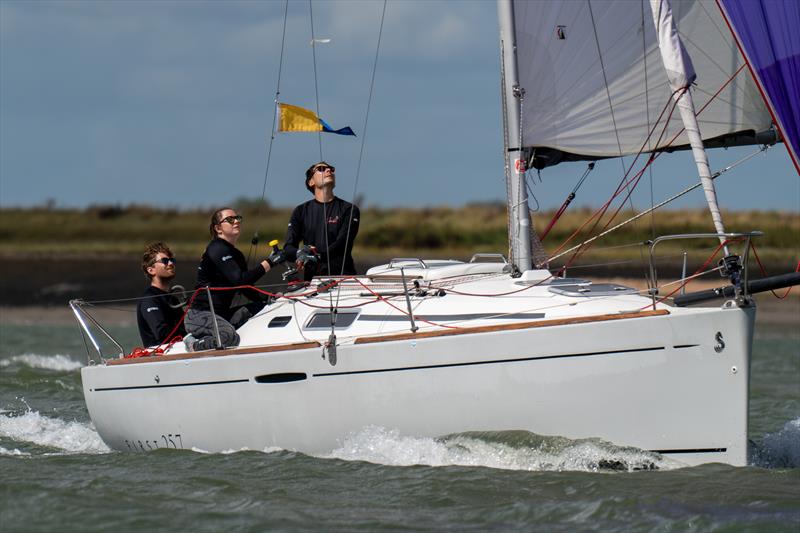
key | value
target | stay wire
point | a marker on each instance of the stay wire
(363, 143)
(611, 109)
(319, 138)
(653, 157)
(254, 241)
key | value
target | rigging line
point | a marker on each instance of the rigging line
(504, 103)
(363, 143)
(622, 185)
(277, 94)
(314, 59)
(657, 206)
(254, 241)
(702, 268)
(319, 138)
(567, 201)
(649, 144)
(605, 78)
(608, 90)
(654, 155)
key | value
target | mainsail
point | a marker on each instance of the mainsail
(595, 83)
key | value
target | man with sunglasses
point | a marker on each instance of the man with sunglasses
(223, 265)
(325, 222)
(154, 315)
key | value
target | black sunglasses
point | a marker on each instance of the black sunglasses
(165, 261)
(321, 168)
(231, 219)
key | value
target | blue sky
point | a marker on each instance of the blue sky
(171, 103)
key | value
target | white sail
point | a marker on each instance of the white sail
(681, 74)
(595, 83)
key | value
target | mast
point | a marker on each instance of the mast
(681, 75)
(519, 227)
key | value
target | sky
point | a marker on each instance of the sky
(171, 103)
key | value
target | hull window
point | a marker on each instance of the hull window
(279, 321)
(323, 320)
(285, 377)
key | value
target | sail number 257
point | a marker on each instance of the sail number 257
(164, 441)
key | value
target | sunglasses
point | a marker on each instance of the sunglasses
(230, 220)
(322, 168)
(165, 261)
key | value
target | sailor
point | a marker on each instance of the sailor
(157, 320)
(325, 222)
(223, 265)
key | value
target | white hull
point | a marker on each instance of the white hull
(655, 382)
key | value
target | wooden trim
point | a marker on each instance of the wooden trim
(509, 327)
(216, 353)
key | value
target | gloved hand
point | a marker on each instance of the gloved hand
(307, 257)
(276, 258)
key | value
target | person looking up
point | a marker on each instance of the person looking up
(223, 265)
(154, 315)
(325, 222)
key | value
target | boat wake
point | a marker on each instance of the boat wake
(58, 362)
(508, 450)
(32, 428)
(780, 449)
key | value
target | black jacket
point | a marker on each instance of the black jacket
(308, 225)
(156, 319)
(223, 265)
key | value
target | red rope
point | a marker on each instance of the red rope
(625, 184)
(696, 272)
(764, 273)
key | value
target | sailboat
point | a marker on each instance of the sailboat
(435, 347)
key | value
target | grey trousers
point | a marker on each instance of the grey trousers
(200, 324)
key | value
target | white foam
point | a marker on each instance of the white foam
(3, 451)
(34, 428)
(61, 363)
(388, 447)
(780, 449)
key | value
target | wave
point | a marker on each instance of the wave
(511, 450)
(61, 363)
(16, 452)
(34, 428)
(780, 449)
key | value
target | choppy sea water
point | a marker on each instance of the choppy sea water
(57, 474)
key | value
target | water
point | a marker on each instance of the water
(58, 474)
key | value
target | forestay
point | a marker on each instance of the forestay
(595, 83)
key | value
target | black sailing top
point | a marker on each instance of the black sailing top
(308, 224)
(155, 318)
(223, 265)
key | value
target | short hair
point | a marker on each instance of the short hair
(215, 220)
(150, 253)
(310, 173)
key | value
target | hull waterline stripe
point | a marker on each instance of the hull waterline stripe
(171, 385)
(694, 450)
(498, 361)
